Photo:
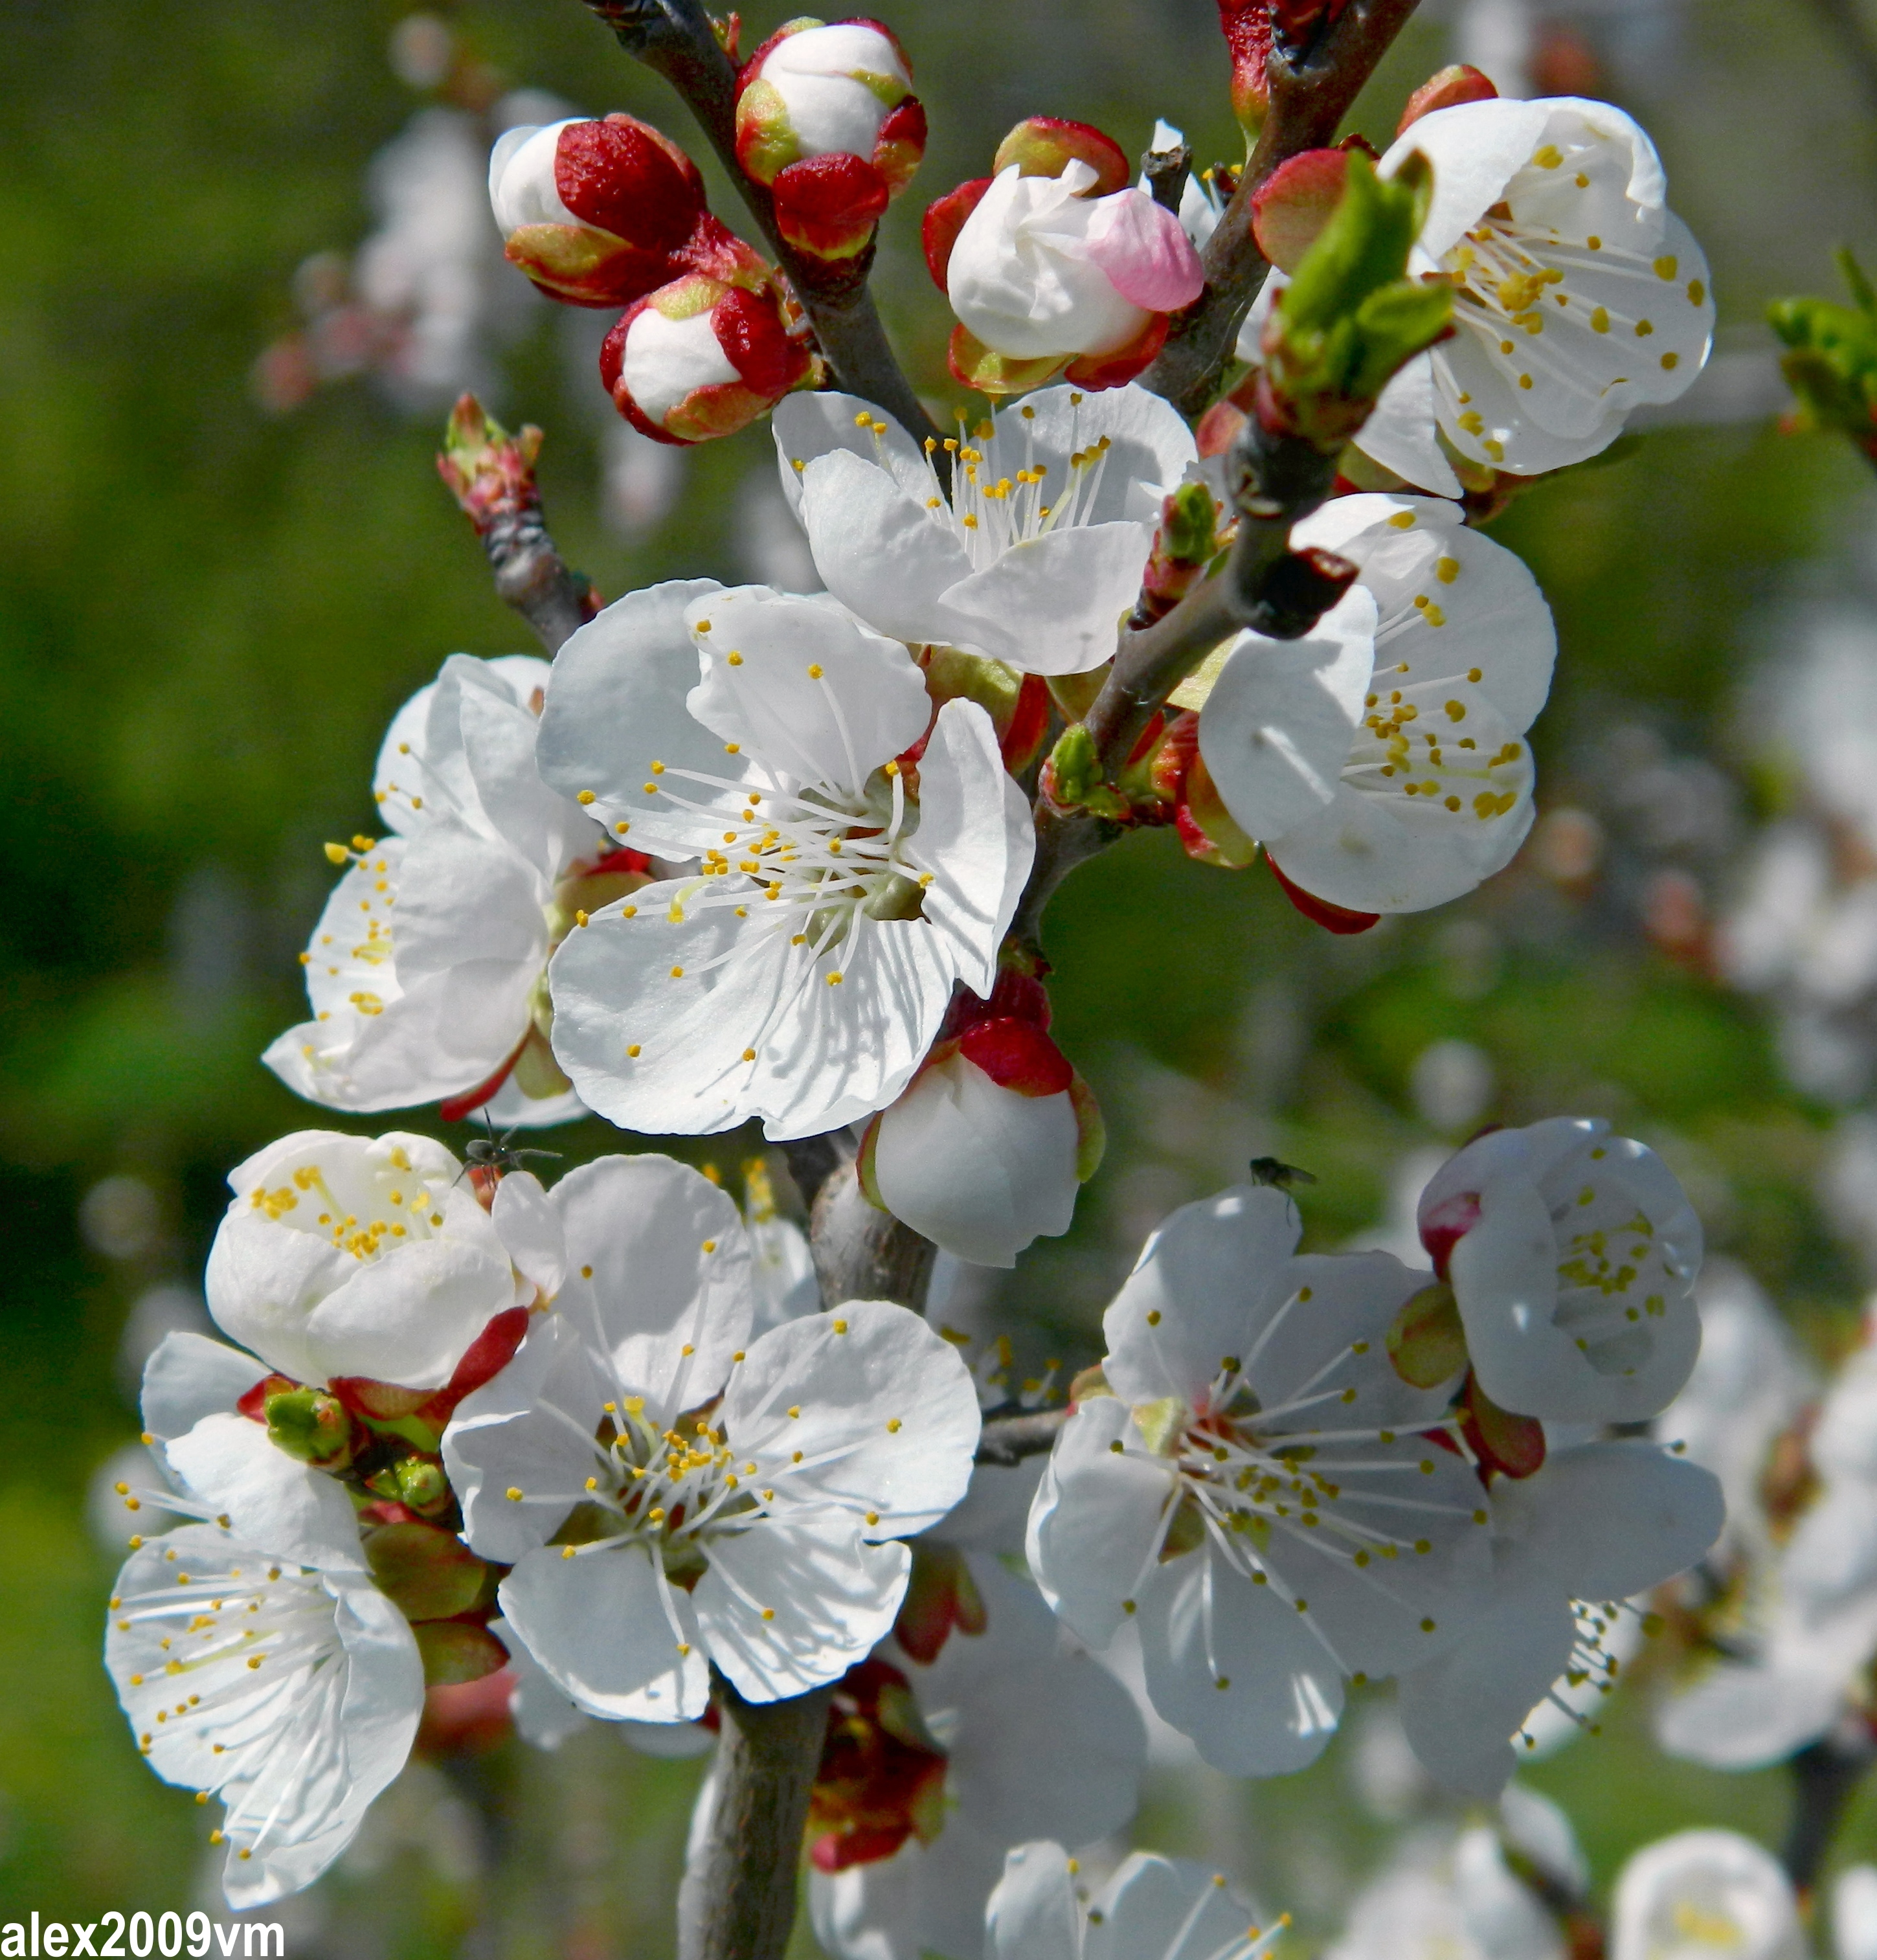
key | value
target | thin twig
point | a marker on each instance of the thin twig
(1825, 1775)
(1312, 90)
(675, 38)
(1006, 1440)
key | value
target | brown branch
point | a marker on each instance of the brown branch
(1312, 90)
(1006, 1440)
(860, 1251)
(1825, 1776)
(1264, 586)
(743, 1888)
(674, 37)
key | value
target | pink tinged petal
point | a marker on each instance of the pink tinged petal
(531, 1232)
(230, 1465)
(881, 551)
(1278, 726)
(1237, 1668)
(862, 704)
(658, 1269)
(525, 1431)
(830, 1597)
(1152, 1902)
(616, 705)
(979, 1170)
(1461, 1710)
(1096, 1519)
(602, 1626)
(1401, 434)
(1033, 1914)
(974, 840)
(1053, 604)
(189, 1377)
(888, 1418)
(1208, 1282)
(1142, 249)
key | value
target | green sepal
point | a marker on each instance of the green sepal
(454, 1651)
(1427, 1342)
(1076, 778)
(426, 1573)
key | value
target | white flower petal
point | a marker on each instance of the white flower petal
(228, 1463)
(1237, 1669)
(1167, 1908)
(828, 1596)
(881, 1410)
(1212, 1278)
(1733, 1891)
(1475, 149)
(1401, 434)
(1033, 1914)
(189, 1377)
(609, 1634)
(1096, 1519)
(531, 1232)
(1053, 604)
(812, 423)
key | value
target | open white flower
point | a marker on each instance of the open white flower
(1153, 1908)
(669, 1500)
(1577, 294)
(425, 971)
(802, 973)
(1597, 1523)
(257, 1662)
(1572, 1254)
(1255, 1490)
(1702, 1893)
(1015, 1732)
(355, 1256)
(1037, 554)
(1452, 1900)
(1380, 759)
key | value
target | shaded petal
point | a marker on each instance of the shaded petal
(1033, 1915)
(530, 1229)
(1053, 604)
(1148, 446)
(1169, 1908)
(1278, 725)
(1237, 1669)
(1476, 149)
(828, 1596)
(601, 1626)
(1401, 434)
(189, 1377)
(809, 424)
(293, 1512)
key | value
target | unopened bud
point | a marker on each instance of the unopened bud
(826, 118)
(1446, 90)
(1246, 26)
(310, 1426)
(597, 213)
(703, 357)
(1426, 1342)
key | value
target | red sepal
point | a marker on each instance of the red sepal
(1446, 90)
(835, 1850)
(388, 1511)
(1043, 146)
(454, 1108)
(750, 332)
(253, 1405)
(483, 1360)
(1017, 1056)
(1332, 919)
(944, 219)
(384, 1401)
(621, 176)
(900, 144)
(828, 205)
(1246, 26)
(467, 1717)
(1512, 1444)
(1446, 1225)
(619, 861)
(1029, 723)
(1115, 369)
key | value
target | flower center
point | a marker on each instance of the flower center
(407, 1206)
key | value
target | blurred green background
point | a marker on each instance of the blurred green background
(217, 581)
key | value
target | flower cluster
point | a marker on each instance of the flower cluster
(736, 855)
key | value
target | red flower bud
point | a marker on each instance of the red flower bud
(1446, 90)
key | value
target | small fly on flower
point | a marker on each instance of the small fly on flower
(495, 1154)
(1270, 1170)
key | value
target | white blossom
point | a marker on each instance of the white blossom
(1705, 1893)
(1578, 295)
(345, 1255)
(802, 973)
(257, 1662)
(669, 1500)
(1572, 1254)
(1152, 1908)
(1035, 556)
(1255, 1489)
(1380, 759)
(425, 971)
